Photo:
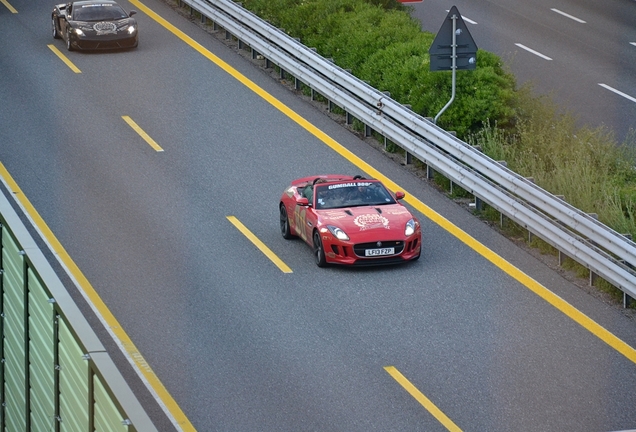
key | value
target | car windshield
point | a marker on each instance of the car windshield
(99, 12)
(352, 194)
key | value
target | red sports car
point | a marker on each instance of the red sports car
(350, 220)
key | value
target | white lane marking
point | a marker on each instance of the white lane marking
(633, 43)
(620, 93)
(568, 16)
(469, 21)
(533, 51)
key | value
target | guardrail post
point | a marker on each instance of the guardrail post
(627, 299)
(215, 26)
(228, 35)
(204, 19)
(297, 83)
(240, 44)
(367, 130)
(348, 118)
(593, 276)
(501, 215)
(430, 172)
(479, 204)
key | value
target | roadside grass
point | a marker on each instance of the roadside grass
(586, 166)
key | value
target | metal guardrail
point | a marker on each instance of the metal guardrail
(573, 232)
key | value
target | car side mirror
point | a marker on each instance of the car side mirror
(399, 195)
(302, 202)
(132, 12)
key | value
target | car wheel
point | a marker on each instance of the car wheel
(319, 253)
(68, 41)
(284, 223)
(56, 35)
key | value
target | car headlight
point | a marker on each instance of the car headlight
(78, 32)
(338, 233)
(131, 29)
(410, 227)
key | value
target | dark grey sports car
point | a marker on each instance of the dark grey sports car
(94, 25)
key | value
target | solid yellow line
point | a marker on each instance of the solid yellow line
(491, 256)
(64, 58)
(11, 8)
(106, 314)
(419, 396)
(260, 245)
(142, 134)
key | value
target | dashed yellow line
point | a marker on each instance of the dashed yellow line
(11, 8)
(142, 134)
(64, 58)
(419, 396)
(260, 245)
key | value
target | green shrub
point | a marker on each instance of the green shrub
(382, 44)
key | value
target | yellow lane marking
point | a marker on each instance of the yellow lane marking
(491, 256)
(419, 396)
(179, 418)
(142, 134)
(64, 58)
(260, 245)
(11, 8)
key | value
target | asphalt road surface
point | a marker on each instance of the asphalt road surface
(239, 344)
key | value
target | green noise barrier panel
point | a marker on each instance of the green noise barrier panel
(55, 375)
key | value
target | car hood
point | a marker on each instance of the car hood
(104, 27)
(361, 221)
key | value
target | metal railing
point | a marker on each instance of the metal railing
(573, 232)
(55, 374)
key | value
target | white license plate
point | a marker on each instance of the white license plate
(378, 252)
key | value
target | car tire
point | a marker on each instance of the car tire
(56, 34)
(69, 47)
(285, 230)
(319, 252)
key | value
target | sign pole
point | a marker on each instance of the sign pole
(453, 68)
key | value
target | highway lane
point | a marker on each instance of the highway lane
(239, 344)
(564, 48)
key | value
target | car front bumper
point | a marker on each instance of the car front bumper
(88, 43)
(350, 253)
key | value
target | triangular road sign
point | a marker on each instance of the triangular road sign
(441, 49)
